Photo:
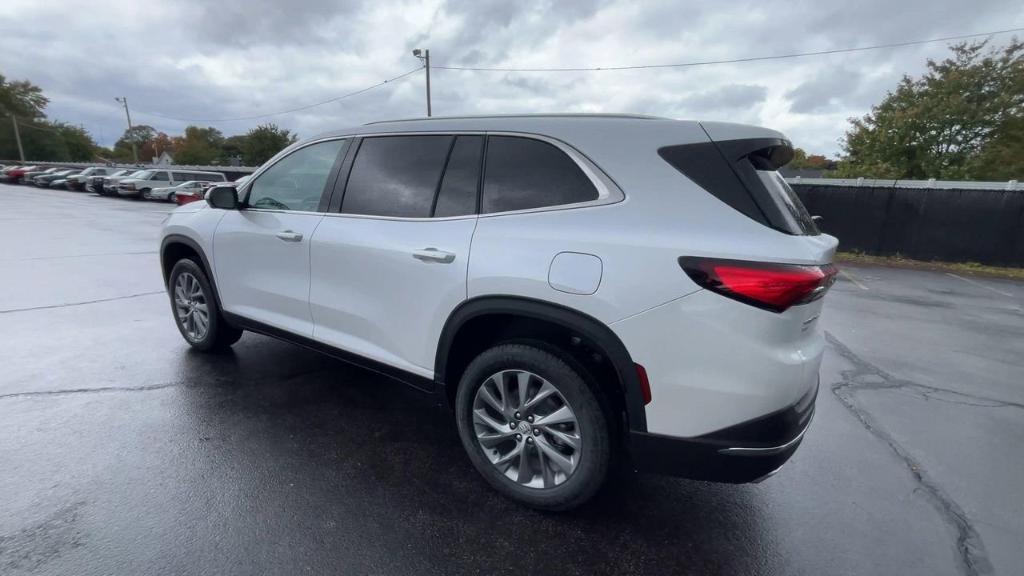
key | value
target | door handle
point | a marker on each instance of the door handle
(434, 255)
(290, 236)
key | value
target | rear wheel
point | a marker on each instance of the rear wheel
(195, 309)
(533, 427)
(170, 197)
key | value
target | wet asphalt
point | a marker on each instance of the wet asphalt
(123, 452)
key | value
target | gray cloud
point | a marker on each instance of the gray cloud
(267, 22)
(194, 59)
(726, 97)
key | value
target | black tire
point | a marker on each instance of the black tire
(219, 335)
(593, 426)
(170, 197)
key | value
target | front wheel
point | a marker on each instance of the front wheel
(195, 309)
(533, 427)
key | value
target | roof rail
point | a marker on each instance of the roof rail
(541, 115)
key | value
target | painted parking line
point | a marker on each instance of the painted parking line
(852, 279)
(979, 284)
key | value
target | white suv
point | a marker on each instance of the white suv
(142, 182)
(577, 287)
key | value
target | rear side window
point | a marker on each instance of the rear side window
(787, 203)
(457, 196)
(742, 174)
(396, 176)
(523, 173)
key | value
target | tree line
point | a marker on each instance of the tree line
(963, 119)
(207, 146)
(44, 139)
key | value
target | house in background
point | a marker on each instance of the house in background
(164, 159)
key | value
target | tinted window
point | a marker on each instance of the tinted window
(788, 204)
(396, 176)
(457, 196)
(297, 181)
(525, 173)
(159, 176)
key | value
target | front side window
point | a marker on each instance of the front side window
(523, 173)
(160, 176)
(297, 181)
(396, 176)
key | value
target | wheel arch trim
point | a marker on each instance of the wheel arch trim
(587, 326)
(198, 249)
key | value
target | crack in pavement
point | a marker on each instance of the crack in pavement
(145, 388)
(50, 306)
(151, 387)
(866, 376)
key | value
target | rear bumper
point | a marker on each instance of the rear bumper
(747, 452)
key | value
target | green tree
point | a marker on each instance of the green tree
(960, 120)
(198, 147)
(79, 144)
(41, 139)
(21, 98)
(141, 135)
(262, 142)
(233, 147)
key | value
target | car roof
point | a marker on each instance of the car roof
(497, 122)
(566, 127)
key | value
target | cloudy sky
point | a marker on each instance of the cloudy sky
(208, 61)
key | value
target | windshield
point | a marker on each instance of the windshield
(141, 174)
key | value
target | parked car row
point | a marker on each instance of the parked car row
(161, 184)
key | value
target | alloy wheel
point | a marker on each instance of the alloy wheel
(191, 307)
(527, 429)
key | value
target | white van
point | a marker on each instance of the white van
(147, 180)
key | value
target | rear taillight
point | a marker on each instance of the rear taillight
(770, 286)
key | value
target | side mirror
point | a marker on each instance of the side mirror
(223, 197)
(817, 219)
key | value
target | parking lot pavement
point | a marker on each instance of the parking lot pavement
(122, 452)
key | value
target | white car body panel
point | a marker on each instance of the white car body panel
(262, 276)
(372, 296)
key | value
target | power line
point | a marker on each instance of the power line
(33, 126)
(289, 111)
(734, 60)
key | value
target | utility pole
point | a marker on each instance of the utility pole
(17, 136)
(424, 56)
(135, 151)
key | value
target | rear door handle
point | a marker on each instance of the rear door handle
(290, 236)
(434, 255)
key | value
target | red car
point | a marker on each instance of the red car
(186, 196)
(13, 175)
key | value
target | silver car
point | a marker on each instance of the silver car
(168, 193)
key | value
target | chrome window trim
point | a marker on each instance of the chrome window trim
(607, 191)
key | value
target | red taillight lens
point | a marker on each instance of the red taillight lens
(771, 286)
(645, 384)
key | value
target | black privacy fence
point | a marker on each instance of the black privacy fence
(979, 222)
